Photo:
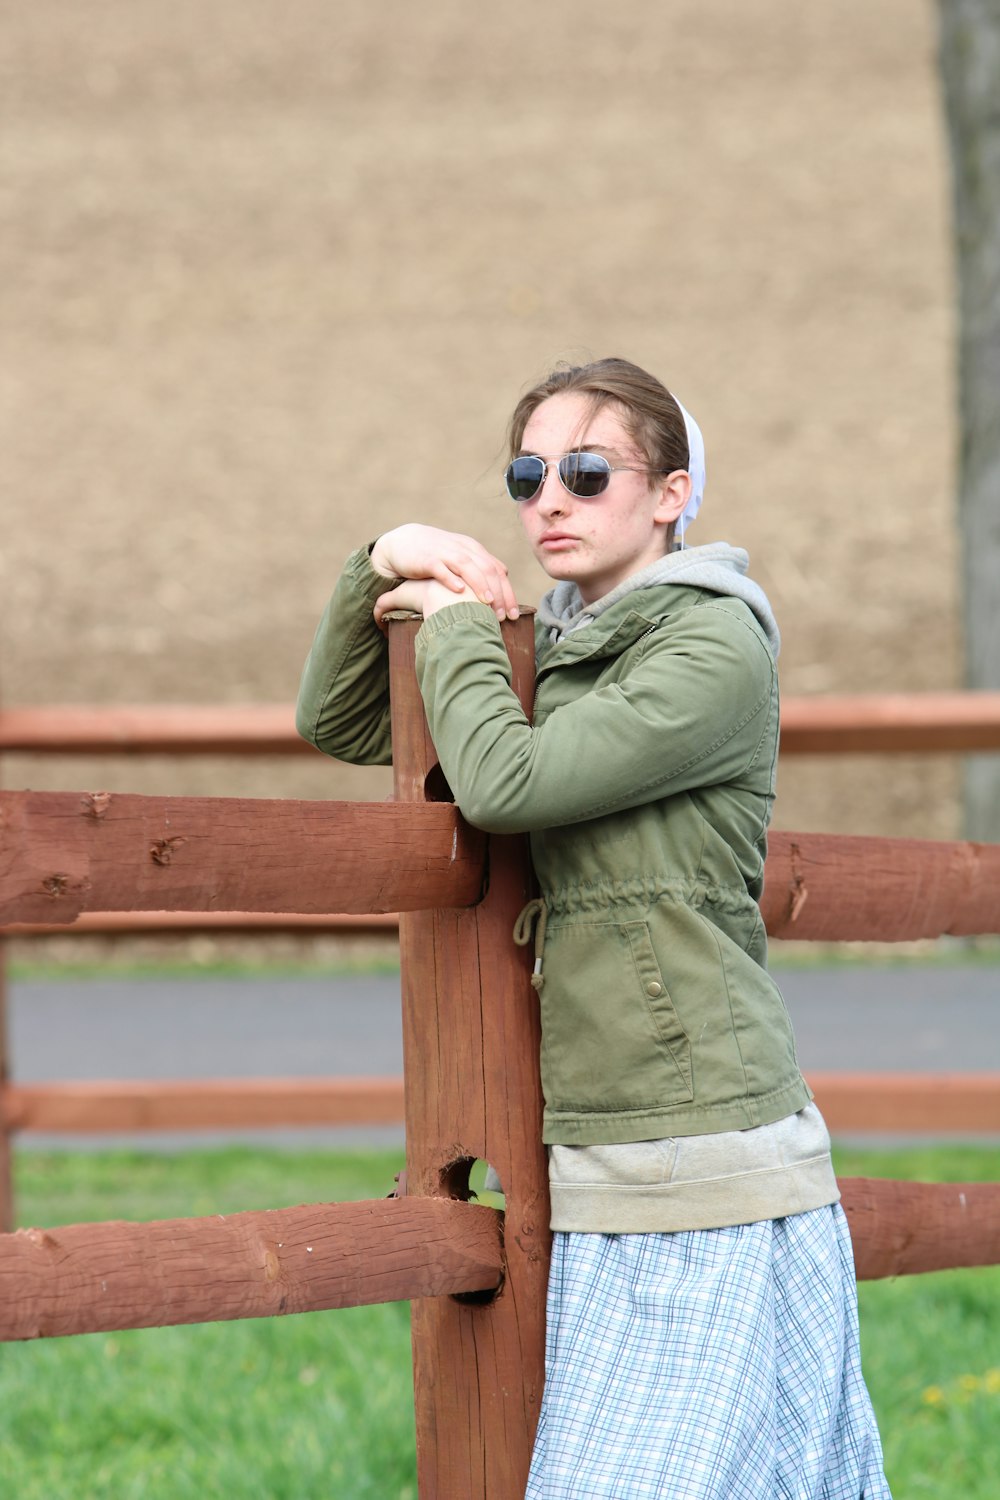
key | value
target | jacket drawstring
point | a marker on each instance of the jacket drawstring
(534, 915)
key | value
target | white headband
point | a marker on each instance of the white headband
(696, 468)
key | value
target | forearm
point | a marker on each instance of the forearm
(690, 712)
(343, 702)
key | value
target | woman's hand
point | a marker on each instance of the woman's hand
(424, 596)
(460, 563)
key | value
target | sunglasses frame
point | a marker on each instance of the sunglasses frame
(558, 462)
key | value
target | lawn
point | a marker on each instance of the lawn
(319, 1405)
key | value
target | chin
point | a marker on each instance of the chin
(558, 570)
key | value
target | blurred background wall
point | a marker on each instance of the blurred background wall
(273, 277)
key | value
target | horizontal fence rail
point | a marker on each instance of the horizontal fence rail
(891, 724)
(91, 1278)
(62, 853)
(192, 923)
(112, 1105)
(822, 886)
(833, 887)
(154, 729)
(57, 861)
(834, 724)
(894, 1103)
(907, 1228)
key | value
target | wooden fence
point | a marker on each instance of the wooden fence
(888, 724)
(471, 1086)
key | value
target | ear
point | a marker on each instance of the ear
(674, 494)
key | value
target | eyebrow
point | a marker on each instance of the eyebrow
(580, 448)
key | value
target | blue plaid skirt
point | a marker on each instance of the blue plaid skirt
(718, 1363)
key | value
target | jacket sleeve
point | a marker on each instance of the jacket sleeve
(693, 711)
(343, 703)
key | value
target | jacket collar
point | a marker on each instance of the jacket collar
(619, 627)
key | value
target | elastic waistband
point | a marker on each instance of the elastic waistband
(643, 891)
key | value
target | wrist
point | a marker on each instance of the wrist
(437, 596)
(378, 562)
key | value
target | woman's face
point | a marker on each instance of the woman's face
(596, 543)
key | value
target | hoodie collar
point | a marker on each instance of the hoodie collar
(717, 567)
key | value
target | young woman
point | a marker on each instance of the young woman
(702, 1326)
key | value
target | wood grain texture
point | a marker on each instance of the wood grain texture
(817, 886)
(87, 1278)
(828, 887)
(904, 1228)
(206, 1104)
(909, 1103)
(62, 853)
(471, 1043)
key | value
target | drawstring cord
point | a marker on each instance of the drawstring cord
(533, 916)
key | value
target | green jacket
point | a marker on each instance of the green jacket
(645, 782)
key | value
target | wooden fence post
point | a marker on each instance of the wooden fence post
(470, 1043)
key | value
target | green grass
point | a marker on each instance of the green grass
(214, 967)
(931, 1348)
(313, 1405)
(952, 952)
(320, 1405)
(974, 952)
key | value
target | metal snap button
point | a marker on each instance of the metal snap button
(653, 989)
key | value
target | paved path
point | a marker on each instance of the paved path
(865, 1019)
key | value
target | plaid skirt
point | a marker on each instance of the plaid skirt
(718, 1363)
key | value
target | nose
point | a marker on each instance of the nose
(553, 496)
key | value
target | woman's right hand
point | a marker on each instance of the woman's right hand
(459, 562)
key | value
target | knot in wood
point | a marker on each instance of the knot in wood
(798, 893)
(41, 1239)
(95, 804)
(161, 851)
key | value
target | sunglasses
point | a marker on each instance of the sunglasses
(582, 474)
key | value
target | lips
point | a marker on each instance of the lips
(554, 538)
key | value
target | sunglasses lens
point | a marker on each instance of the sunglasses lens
(524, 477)
(585, 474)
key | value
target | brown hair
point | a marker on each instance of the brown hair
(651, 416)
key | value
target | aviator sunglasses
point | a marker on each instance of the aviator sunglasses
(582, 474)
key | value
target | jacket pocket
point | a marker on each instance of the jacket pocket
(611, 1038)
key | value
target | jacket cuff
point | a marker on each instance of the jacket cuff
(363, 578)
(462, 612)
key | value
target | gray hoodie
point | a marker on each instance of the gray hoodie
(717, 567)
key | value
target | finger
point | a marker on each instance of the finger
(507, 595)
(472, 575)
(447, 574)
(382, 606)
(504, 599)
(396, 598)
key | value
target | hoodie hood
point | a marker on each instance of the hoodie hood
(717, 567)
